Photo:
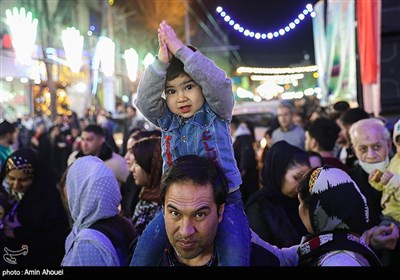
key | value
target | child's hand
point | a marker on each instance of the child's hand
(375, 175)
(387, 175)
(163, 53)
(168, 35)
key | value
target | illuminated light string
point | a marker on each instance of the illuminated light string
(262, 35)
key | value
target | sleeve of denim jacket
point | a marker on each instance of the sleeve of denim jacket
(149, 100)
(287, 256)
(216, 86)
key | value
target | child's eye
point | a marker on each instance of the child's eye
(170, 91)
(189, 87)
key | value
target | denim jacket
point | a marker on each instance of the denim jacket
(205, 135)
(207, 132)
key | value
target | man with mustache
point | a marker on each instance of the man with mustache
(193, 195)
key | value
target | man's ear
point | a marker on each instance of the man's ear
(313, 143)
(221, 212)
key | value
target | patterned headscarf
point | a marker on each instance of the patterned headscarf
(336, 202)
(20, 162)
(22, 159)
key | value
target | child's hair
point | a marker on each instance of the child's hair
(303, 188)
(176, 67)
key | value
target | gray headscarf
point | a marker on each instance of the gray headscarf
(92, 190)
(93, 194)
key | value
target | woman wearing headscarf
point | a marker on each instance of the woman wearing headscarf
(273, 210)
(99, 236)
(34, 218)
(335, 214)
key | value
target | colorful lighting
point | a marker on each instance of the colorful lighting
(277, 32)
(73, 46)
(131, 61)
(148, 59)
(277, 70)
(104, 55)
(23, 28)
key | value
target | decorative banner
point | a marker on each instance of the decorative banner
(335, 50)
(369, 42)
(23, 30)
(73, 46)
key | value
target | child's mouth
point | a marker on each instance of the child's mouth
(185, 109)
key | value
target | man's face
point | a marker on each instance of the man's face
(12, 137)
(343, 137)
(308, 142)
(184, 96)
(191, 221)
(91, 143)
(284, 117)
(370, 146)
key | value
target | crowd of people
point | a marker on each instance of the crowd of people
(188, 188)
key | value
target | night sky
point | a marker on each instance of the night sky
(266, 16)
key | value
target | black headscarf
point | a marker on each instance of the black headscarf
(275, 215)
(275, 167)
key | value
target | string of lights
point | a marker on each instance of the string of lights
(266, 35)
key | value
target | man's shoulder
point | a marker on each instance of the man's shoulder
(262, 257)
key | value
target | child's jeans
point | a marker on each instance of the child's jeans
(232, 241)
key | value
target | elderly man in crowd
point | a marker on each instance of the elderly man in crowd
(372, 144)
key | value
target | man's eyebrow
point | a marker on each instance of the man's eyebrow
(206, 207)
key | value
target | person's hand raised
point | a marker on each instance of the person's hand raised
(163, 53)
(168, 36)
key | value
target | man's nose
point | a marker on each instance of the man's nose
(371, 153)
(187, 228)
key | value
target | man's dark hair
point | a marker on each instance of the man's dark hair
(200, 172)
(6, 127)
(325, 131)
(352, 116)
(341, 106)
(176, 67)
(96, 129)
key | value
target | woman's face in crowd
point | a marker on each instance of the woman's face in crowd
(19, 181)
(139, 175)
(290, 181)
